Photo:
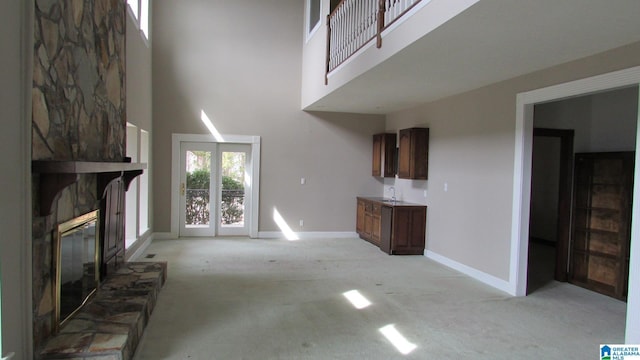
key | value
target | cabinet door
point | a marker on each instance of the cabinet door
(404, 154)
(368, 221)
(376, 165)
(360, 217)
(601, 227)
(413, 153)
(389, 155)
(408, 233)
(386, 226)
(384, 155)
(112, 223)
(375, 223)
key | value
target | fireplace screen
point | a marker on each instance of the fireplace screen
(77, 267)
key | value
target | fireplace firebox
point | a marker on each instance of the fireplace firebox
(77, 264)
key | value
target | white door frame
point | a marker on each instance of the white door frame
(254, 141)
(522, 184)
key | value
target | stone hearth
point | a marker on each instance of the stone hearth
(110, 325)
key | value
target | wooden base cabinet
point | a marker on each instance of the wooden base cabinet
(368, 221)
(398, 228)
(403, 230)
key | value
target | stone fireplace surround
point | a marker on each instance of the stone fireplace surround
(78, 153)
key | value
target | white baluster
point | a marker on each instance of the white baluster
(352, 26)
(372, 18)
(356, 24)
(346, 19)
(339, 37)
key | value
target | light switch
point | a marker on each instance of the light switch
(303, 181)
(446, 187)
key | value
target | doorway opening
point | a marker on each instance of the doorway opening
(216, 185)
(522, 184)
(549, 224)
(587, 235)
(525, 103)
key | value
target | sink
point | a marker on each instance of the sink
(389, 200)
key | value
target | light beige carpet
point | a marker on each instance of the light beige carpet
(276, 299)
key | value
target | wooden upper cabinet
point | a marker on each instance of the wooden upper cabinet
(413, 153)
(384, 157)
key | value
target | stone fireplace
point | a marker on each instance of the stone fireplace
(78, 115)
(79, 168)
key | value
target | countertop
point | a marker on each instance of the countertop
(388, 202)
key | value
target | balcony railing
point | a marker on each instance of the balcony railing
(353, 23)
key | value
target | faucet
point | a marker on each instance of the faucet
(393, 197)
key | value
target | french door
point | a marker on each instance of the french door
(197, 185)
(214, 189)
(234, 179)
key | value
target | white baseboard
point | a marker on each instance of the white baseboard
(483, 277)
(309, 235)
(164, 236)
(140, 249)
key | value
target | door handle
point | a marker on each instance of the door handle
(182, 189)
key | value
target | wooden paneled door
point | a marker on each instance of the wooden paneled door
(112, 227)
(599, 256)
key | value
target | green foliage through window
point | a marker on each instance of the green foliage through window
(198, 199)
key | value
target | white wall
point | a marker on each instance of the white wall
(140, 114)
(247, 79)
(613, 120)
(471, 149)
(602, 122)
(15, 222)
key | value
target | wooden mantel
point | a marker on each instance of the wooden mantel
(57, 175)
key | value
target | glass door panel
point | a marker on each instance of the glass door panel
(196, 184)
(234, 160)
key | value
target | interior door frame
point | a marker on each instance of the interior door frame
(522, 184)
(565, 186)
(253, 141)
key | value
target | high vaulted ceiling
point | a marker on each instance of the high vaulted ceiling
(493, 40)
